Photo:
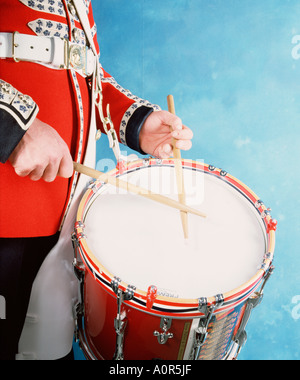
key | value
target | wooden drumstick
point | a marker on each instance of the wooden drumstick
(179, 173)
(106, 178)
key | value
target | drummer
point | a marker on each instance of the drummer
(45, 117)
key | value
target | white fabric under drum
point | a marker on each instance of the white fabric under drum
(141, 241)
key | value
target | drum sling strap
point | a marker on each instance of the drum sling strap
(97, 95)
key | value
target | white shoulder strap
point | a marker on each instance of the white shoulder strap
(111, 133)
(83, 16)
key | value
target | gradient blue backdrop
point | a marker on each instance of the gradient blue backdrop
(233, 69)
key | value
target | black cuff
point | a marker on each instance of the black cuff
(134, 127)
(10, 134)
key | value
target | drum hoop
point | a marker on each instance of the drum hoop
(176, 307)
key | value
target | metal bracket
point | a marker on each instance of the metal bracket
(240, 337)
(78, 266)
(120, 321)
(202, 329)
(164, 336)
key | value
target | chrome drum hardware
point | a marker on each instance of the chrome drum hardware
(120, 321)
(164, 336)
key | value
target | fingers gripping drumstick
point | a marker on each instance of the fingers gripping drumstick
(106, 178)
(179, 173)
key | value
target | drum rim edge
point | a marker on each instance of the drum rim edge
(241, 290)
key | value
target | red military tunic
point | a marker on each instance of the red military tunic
(63, 98)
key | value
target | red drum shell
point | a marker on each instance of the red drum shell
(96, 325)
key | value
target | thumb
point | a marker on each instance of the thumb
(66, 168)
(174, 122)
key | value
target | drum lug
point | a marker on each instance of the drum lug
(203, 306)
(119, 351)
(164, 336)
(78, 308)
(93, 186)
(212, 168)
(120, 324)
(115, 282)
(240, 337)
(120, 321)
(146, 162)
(129, 292)
(202, 329)
(78, 266)
(78, 313)
(79, 271)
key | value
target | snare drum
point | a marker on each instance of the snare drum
(145, 291)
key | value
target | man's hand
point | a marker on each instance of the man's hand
(42, 153)
(158, 132)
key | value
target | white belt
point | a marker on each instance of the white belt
(51, 51)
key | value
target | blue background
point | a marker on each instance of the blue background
(235, 76)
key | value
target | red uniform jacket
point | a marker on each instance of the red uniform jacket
(58, 97)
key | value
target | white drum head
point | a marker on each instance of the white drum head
(141, 241)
